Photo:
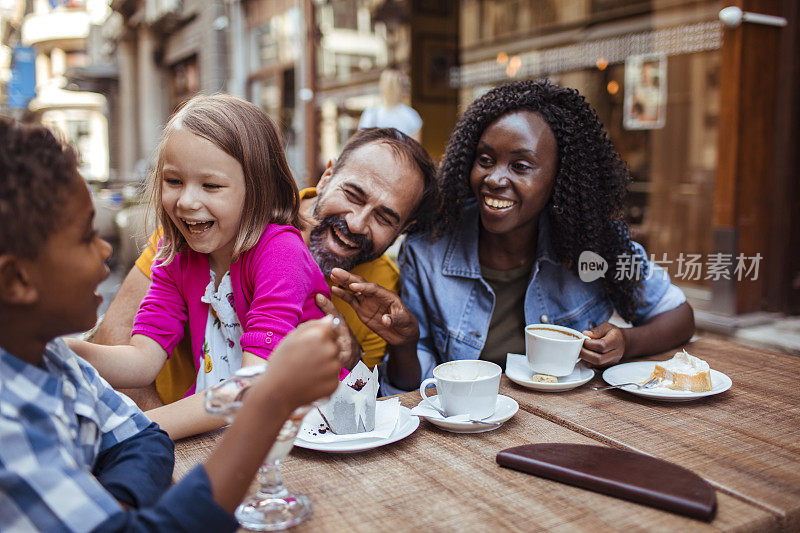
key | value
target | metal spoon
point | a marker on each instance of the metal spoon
(647, 385)
(473, 420)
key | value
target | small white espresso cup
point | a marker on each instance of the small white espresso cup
(465, 387)
(553, 350)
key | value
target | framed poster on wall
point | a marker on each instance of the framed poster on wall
(431, 69)
(645, 105)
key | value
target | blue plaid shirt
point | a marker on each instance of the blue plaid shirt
(72, 448)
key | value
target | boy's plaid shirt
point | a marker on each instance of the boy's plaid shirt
(54, 421)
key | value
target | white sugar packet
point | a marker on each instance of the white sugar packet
(387, 414)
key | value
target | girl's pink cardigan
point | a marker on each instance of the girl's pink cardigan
(274, 285)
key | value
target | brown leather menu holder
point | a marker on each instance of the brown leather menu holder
(619, 473)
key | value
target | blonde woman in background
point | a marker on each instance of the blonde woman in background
(392, 113)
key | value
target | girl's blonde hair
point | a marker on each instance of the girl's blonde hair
(246, 133)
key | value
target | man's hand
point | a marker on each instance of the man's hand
(606, 345)
(379, 309)
(349, 349)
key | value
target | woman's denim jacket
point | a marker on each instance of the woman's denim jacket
(443, 287)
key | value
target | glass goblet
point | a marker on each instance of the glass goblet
(272, 507)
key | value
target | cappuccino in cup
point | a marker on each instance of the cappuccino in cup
(553, 350)
(467, 387)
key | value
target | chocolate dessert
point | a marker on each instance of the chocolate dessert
(351, 409)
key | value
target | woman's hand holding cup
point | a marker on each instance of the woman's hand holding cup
(605, 346)
(553, 350)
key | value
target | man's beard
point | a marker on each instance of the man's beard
(326, 259)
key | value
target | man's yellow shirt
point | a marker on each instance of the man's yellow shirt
(179, 372)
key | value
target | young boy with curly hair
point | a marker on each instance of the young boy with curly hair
(74, 454)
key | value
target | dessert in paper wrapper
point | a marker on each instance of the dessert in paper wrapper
(351, 408)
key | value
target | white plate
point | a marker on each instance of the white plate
(639, 371)
(406, 425)
(519, 372)
(504, 409)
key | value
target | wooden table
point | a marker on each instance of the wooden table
(745, 442)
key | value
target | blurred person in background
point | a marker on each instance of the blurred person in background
(392, 113)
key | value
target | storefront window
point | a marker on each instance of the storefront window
(345, 15)
(278, 40)
(184, 82)
(673, 167)
(359, 39)
(275, 44)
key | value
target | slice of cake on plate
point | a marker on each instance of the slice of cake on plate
(683, 372)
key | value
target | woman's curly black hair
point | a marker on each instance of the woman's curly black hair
(587, 205)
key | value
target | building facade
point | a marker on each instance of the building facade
(703, 114)
(166, 51)
(56, 33)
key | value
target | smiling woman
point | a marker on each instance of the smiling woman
(512, 179)
(529, 181)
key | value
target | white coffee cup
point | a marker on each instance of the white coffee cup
(465, 387)
(553, 350)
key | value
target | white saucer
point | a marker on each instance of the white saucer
(504, 409)
(519, 372)
(639, 371)
(406, 425)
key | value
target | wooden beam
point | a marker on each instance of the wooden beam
(745, 171)
(311, 123)
(783, 271)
